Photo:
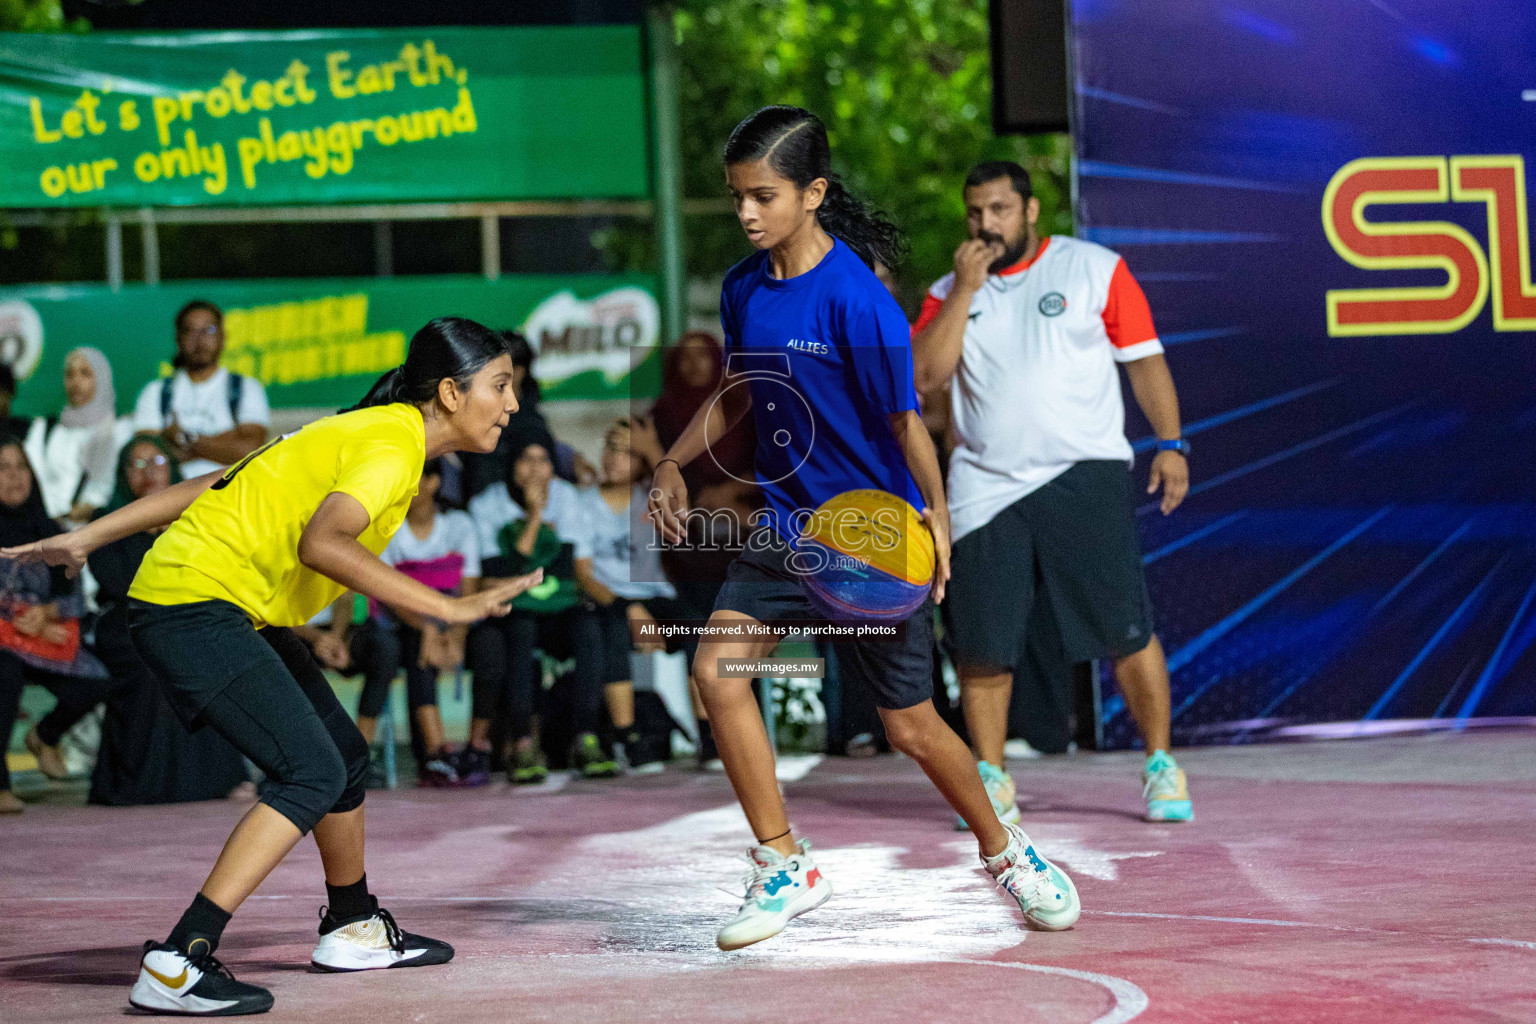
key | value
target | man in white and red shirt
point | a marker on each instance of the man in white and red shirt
(1028, 333)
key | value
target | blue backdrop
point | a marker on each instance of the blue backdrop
(1359, 543)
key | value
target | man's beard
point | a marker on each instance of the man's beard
(1011, 254)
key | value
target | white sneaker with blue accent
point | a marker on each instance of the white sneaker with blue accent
(1165, 789)
(1001, 791)
(1042, 890)
(779, 889)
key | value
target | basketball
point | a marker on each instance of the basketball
(866, 554)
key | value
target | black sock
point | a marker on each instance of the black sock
(200, 928)
(349, 900)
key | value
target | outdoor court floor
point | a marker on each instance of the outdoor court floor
(1375, 880)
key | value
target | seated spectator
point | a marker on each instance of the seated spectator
(75, 452)
(147, 756)
(39, 627)
(482, 471)
(720, 489)
(10, 426)
(534, 520)
(439, 549)
(211, 417)
(624, 579)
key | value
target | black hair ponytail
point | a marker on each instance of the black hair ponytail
(862, 228)
(449, 347)
(794, 142)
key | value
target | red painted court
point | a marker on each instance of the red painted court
(1374, 880)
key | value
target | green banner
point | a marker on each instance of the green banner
(321, 342)
(239, 118)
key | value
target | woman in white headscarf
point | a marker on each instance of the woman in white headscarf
(75, 452)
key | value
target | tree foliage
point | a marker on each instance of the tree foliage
(35, 16)
(904, 87)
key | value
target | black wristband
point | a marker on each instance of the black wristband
(674, 462)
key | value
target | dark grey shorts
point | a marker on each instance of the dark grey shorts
(898, 672)
(1072, 544)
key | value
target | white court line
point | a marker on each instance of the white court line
(794, 767)
(1505, 942)
(1266, 922)
(1130, 1001)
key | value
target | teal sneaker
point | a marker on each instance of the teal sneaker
(1000, 789)
(1041, 889)
(779, 889)
(1164, 788)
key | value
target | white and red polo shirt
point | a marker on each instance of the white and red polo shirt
(1036, 388)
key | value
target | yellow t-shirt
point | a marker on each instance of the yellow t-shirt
(239, 541)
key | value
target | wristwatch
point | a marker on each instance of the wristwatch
(1180, 445)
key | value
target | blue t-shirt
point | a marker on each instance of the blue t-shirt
(828, 357)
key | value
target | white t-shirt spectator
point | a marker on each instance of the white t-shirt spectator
(493, 508)
(201, 409)
(1036, 390)
(59, 457)
(626, 556)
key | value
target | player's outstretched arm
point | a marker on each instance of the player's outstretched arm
(329, 546)
(148, 513)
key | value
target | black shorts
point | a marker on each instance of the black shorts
(899, 672)
(618, 640)
(264, 693)
(1072, 544)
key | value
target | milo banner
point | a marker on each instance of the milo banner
(234, 118)
(321, 342)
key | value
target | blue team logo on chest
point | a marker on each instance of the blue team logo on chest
(1053, 304)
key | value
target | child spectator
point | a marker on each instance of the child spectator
(624, 579)
(439, 549)
(533, 520)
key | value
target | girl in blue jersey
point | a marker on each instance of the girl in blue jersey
(820, 352)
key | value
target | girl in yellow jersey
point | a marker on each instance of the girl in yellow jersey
(251, 552)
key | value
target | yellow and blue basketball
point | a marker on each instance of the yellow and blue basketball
(866, 555)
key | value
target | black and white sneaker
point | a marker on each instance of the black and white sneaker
(373, 941)
(174, 983)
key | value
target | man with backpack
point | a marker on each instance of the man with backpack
(210, 416)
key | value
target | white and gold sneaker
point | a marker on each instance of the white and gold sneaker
(371, 942)
(173, 983)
